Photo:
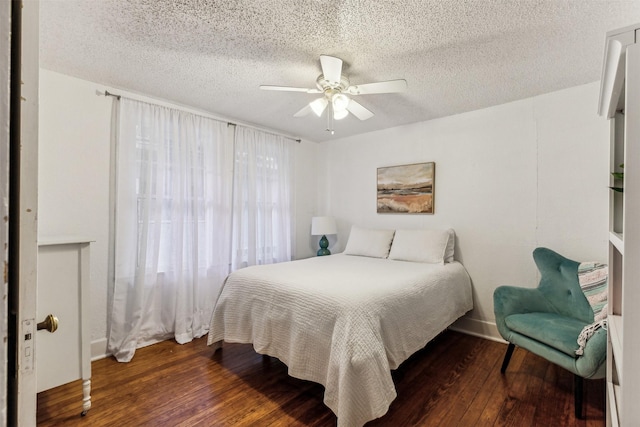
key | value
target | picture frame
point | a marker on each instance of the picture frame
(406, 188)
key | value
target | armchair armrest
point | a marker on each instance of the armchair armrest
(591, 363)
(508, 300)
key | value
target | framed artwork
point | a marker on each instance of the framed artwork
(407, 188)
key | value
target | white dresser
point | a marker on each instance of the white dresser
(63, 291)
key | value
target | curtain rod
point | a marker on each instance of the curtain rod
(107, 93)
(298, 140)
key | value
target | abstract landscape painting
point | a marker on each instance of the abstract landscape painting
(406, 188)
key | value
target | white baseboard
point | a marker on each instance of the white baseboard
(465, 325)
(478, 328)
(99, 349)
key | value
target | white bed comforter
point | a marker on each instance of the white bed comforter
(342, 321)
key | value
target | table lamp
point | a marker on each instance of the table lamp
(323, 225)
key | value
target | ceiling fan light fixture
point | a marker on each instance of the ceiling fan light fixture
(338, 93)
(340, 102)
(340, 114)
(318, 106)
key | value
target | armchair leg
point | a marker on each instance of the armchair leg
(507, 357)
(578, 387)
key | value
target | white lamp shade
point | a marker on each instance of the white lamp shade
(319, 105)
(322, 225)
(340, 114)
(340, 101)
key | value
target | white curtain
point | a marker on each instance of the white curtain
(262, 205)
(172, 225)
(194, 199)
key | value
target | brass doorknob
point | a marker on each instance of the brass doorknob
(50, 323)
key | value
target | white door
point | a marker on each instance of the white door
(27, 216)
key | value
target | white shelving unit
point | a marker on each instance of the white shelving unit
(620, 102)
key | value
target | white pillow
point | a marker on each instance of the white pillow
(451, 244)
(369, 242)
(429, 246)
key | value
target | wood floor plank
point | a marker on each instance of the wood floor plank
(454, 381)
(492, 361)
(501, 401)
(430, 368)
(457, 394)
(468, 409)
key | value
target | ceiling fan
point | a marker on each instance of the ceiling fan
(336, 89)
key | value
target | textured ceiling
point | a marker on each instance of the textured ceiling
(456, 55)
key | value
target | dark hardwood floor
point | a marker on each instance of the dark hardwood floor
(454, 381)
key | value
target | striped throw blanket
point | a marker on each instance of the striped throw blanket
(593, 279)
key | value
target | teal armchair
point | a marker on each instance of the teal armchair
(547, 321)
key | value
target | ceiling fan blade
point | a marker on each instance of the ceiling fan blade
(317, 106)
(378, 87)
(289, 89)
(358, 110)
(331, 68)
(303, 112)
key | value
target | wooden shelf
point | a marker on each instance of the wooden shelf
(612, 403)
(63, 240)
(617, 241)
(615, 333)
(613, 73)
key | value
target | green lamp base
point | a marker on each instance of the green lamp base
(324, 244)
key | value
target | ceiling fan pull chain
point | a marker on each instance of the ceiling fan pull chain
(330, 119)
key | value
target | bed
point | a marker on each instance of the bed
(346, 320)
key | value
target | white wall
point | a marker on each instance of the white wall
(306, 197)
(508, 179)
(74, 179)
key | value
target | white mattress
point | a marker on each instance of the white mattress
(342, 321)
